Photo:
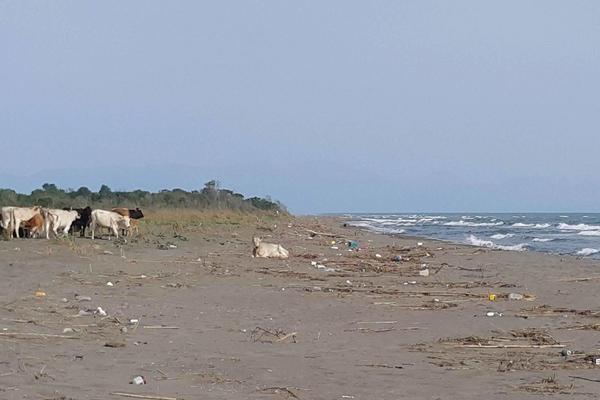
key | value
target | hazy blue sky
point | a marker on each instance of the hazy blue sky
(326, 106)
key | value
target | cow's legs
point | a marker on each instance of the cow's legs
(17, 225)
(93, 229)
(115, 229)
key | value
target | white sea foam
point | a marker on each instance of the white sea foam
(589, 233)
(475, 241)
(587, 252)
(463, 223)
(543, 239)
(578, 227)
(537, 226)
(516, 247)
(502, 236)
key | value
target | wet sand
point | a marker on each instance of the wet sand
(215, 323)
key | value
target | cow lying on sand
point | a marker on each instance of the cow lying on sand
(108, 219)
(268, 250)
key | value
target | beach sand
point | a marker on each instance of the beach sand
(215, 323)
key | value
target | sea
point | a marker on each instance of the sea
(555, 233)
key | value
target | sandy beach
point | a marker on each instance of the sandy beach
(198, 317)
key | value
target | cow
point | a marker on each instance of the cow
(268, 250)
(58, 219)
(133, 214)
(108, 219)
(83, 221)
(13, 216)
(6, 213)
(34, 225)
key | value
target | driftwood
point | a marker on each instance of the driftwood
(142, 396)
(24, 335)
(277, 389)
(315, 233)
(511, 346)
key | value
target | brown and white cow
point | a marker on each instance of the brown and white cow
(35, 225)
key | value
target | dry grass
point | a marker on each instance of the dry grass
(189, 219)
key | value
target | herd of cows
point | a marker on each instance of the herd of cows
(34, 221)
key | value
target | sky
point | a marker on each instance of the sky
(329, 106)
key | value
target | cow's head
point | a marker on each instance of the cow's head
(136, 214)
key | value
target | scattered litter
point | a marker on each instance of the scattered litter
(101, 312)
(172, 246)
(138, 380)
(40, 293)
(313, 263)
(68, 330)
(110, 253)
(124, 329)
(419, 243)
(324, 268)
(424, 272)
(492, 297)
(109, 284)
(64, 300)
(397, 258)
(515, 296)
(566, 352)
(334, 248)
(134, 321)
(349, 282)
(493, 314)
(353, 244)
(378, 255)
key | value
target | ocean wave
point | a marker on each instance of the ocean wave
(463, 223)
(537, 226)
(475, 241)
(589, 233)
(543, 240)
(587, 252)
(578, 227)
(502, 236)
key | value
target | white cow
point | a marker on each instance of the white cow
(268, 250)
(6, 216)
(13, 216)
(108, 219)
(58, 219)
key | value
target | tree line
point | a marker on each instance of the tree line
(210, 197)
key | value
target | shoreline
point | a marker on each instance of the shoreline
(449, 241)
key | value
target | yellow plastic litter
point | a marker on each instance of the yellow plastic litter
(492, 297)
(40, 293)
